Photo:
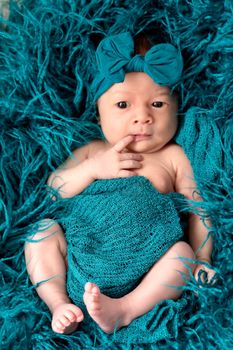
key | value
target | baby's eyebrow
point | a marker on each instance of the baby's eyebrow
(162, 94)
(121, 92)
(126, 94)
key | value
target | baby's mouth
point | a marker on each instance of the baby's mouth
(141, 137)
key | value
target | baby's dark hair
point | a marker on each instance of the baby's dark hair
(142, 44)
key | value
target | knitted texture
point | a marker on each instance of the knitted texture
(116, 230)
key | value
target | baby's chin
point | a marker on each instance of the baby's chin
(143, 147)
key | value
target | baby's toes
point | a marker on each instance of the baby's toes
(70, 316)
(94, 299)
(92, 288)
(88, 287)
(95, 291)
(66, 318)
(58, 327)
(95, 305)
(65, 321)
(79, 317)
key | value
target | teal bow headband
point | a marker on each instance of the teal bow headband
(115, 57)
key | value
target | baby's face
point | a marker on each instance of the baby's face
(141, 108)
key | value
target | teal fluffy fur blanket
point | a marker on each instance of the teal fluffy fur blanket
(46, 110)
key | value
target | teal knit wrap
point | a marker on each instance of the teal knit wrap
(116, 230)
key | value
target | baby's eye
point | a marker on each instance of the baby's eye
(158, 104)
(122, 104)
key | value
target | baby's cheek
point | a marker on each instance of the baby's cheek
(112, 133)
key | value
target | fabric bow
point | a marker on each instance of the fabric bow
(115, 57)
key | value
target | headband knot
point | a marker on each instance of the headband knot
(115, 57)
(136, 64)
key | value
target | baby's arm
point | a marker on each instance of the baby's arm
(185, 184)
(73, 176)
(94, 161)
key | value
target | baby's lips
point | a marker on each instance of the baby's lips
(141, 137)
(132, 136)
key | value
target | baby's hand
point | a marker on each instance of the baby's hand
(205, 274)
(116, 162)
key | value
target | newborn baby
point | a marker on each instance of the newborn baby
(138, 117)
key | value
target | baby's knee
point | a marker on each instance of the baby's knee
(46, 229)
(183, 249)
(185, 254)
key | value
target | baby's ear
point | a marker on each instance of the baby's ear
(97, 117)
(97, 113)
(175, 97)
(174, 94)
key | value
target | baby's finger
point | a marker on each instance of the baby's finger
(134, 156)
(120, 145)
(202, 276)
(130, 164)
(212, 276)
(126, 173)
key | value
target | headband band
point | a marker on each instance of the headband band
(115, 57)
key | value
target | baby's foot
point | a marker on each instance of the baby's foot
(107, 312)
(66, 318)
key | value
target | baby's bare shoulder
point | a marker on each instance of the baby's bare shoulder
(184, 177)
(82, 153)
(90, 147)
(173, 154)
(96, 146)
(173, 148)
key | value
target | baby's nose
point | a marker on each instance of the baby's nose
(143, 118)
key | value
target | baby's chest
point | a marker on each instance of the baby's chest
(160, 175)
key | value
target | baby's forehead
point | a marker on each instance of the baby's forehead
(138, 82)
(120, 90)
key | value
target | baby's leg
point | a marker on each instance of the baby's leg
(109, 312)
(45, 259)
